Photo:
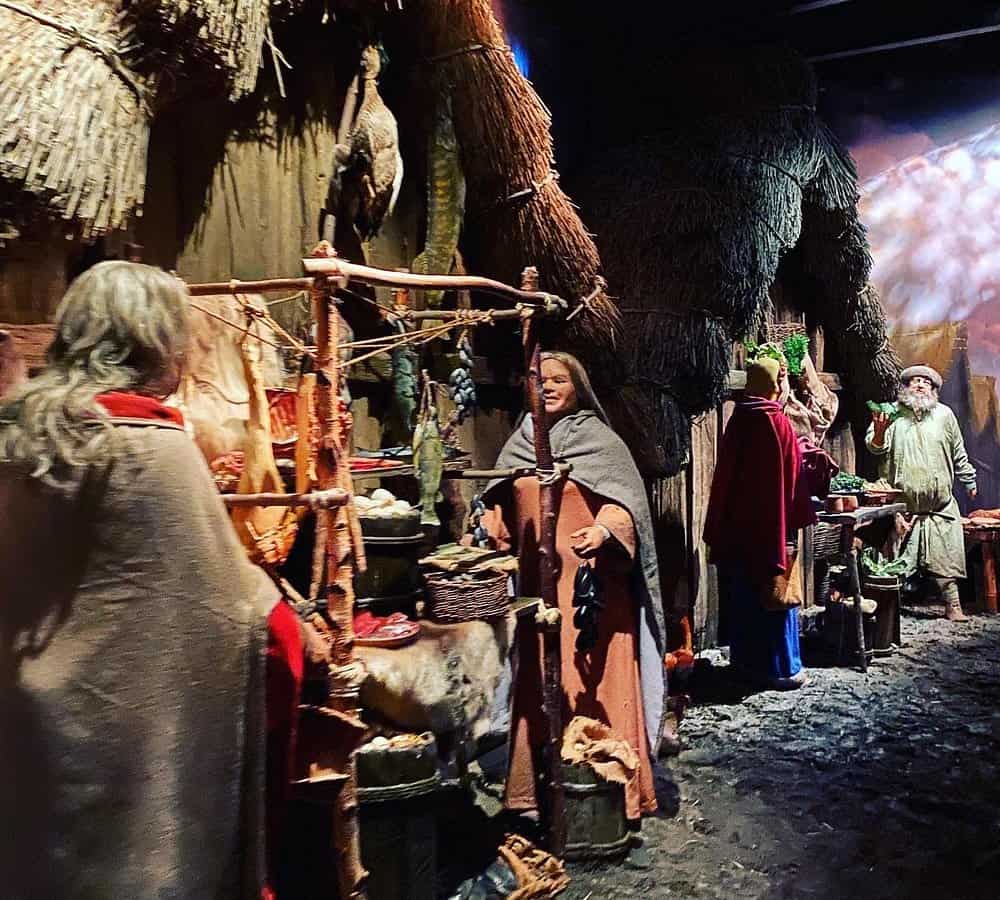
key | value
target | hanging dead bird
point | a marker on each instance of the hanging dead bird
(367, 168)
(445, 199)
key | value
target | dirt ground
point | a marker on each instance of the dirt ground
(877, 786)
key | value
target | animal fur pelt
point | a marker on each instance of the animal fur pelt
(444, 683)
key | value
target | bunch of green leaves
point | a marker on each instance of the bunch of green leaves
(846, 483)
(795, 349)
(767, 350)
(878, 566)
(890, 409)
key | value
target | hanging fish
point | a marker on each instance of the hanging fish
(445, 200)
(404, 383)
(428, 458)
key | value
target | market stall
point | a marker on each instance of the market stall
(419, 630)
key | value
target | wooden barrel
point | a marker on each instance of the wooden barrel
(398, 823)
(885, 592)
(596, 827)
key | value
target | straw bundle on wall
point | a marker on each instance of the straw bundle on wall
(74, 126)
(517, 215)
(222, 37)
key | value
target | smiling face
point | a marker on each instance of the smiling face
(558, 389)
(921, 386)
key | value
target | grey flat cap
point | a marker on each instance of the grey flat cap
(925, 371)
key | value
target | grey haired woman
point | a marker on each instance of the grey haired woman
(132, 627)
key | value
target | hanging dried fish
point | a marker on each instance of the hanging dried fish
(404, 383)
(428, 456)
(445, 199)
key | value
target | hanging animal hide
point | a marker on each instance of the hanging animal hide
(267, 532)
(213, 392)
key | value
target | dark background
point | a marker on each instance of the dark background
(605, 73)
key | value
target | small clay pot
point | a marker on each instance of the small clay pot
(850, 504)
(834, 504)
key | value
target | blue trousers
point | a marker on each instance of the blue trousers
(764, 643)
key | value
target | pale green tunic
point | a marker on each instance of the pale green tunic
(922, 457)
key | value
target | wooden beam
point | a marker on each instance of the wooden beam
(340, 268)
(323, 499)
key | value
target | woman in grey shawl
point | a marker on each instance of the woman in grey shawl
(132, 628)
(603, 522)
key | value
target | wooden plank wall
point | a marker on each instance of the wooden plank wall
(690, 584)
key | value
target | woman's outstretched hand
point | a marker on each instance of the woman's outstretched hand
(587, 541)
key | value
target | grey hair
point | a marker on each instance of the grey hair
(585, 396)
(121, 326)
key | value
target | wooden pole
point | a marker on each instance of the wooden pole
(234, 286)
(330, 498)
(336, 267)
(549, 495)
(339, 531)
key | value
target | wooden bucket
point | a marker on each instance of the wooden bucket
(885, 592)
(596, 827)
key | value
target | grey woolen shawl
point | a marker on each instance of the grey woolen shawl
(132, 642)
(602, 464)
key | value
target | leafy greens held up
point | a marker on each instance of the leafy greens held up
(892, 410)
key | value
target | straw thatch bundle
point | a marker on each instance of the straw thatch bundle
(517, 215)
(694, 225)
(215, 37)
(75, 122)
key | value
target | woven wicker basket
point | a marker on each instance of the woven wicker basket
(779, 332)
(826, 541)
(451, 600)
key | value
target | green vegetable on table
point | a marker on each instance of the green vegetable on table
(877, 566)
(846, 483)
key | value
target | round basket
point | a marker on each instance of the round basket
(452, 600)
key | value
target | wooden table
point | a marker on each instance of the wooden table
(987, 536)
(849, 523)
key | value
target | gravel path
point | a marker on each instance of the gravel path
(877, 786)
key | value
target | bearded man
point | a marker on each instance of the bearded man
(922, 452)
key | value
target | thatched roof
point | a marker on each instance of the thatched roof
(517, 213)
(696, 223)
(79, 81)
(76, 117)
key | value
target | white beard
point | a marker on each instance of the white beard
(919, 404)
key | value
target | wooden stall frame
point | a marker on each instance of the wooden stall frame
(549, 494)
(340, 552)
